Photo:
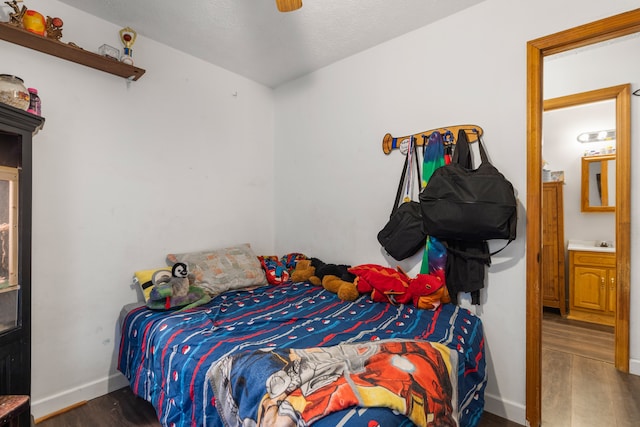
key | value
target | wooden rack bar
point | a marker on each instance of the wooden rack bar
(390, 142)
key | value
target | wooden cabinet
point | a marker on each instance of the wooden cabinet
(17, 128)
(553, 265)
(592, 286)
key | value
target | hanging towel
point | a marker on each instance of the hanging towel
(434, 257)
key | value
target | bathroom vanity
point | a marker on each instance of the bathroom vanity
(592, 282)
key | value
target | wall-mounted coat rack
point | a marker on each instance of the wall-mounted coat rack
(390, 142)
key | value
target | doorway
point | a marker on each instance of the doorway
(576, 340)
(579, 237)
(606, 29)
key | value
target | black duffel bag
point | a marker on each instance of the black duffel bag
(469, 204)
(404, 233)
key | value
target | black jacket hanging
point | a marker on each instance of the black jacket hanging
(466, 260)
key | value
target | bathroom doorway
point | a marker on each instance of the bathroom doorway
(566, 120)
(572, 343)
(573, 137)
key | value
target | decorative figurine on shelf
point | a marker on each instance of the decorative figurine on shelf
(34, 22)
(128, 37)
(15, 18)
(54, 28)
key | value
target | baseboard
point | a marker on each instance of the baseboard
(59, 412)
(504, 408)
(634, 366)
(42, 407)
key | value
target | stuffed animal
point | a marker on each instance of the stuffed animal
(425, 291)
(291, 260)
(428, 291)
(274, 269)
(335, 278)
(303, 271)
(176, 290)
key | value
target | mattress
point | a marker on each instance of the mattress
(175, 359)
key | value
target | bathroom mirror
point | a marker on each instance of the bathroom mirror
(598, 183)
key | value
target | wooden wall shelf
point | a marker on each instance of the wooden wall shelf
(53, 47)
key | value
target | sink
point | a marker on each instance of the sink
(591, 245)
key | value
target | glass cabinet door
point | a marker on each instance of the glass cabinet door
(9, 287)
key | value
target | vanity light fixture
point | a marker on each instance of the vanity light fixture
(601, 135)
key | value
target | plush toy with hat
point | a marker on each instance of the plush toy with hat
(175, 289)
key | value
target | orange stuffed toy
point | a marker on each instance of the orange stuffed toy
(425, 291)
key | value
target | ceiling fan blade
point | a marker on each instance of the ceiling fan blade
(288, 5)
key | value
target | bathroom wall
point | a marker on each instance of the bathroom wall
(563, 152)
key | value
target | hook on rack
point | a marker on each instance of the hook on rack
(636, 92)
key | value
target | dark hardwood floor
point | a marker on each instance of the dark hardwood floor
(118, 408)
(122, 408)
(580, 338)
(580, 385)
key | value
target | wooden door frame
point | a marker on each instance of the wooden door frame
(584, 35)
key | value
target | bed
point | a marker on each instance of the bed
(295, 354)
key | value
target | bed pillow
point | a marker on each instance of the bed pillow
(220, 270)
(144, 279)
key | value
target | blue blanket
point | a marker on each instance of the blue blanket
(297, 387)
(166, 355)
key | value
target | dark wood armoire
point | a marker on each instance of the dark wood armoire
(17, 129)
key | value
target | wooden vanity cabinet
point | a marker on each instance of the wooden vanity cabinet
(592, 287)
(553, 264)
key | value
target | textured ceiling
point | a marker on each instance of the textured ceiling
(253, 39)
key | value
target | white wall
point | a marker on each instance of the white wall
(124, 174)
(563, 151)
(468, 68)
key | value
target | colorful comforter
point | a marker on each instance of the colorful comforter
(300, 346)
